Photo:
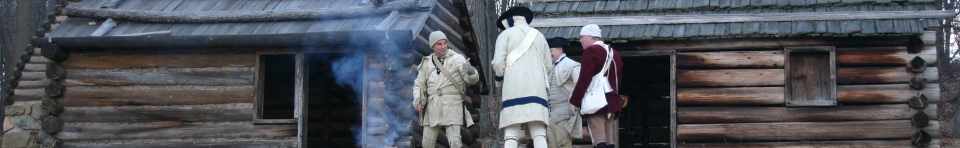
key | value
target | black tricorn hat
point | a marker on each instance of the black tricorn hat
(514, 11)
(557, 42)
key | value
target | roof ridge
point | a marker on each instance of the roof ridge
(224, 16)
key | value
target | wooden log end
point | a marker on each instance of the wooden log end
(917, 65)
(51, 124)
(55, 71)
(929, 38)
(920, 139)
(52, 51)
(8, 101)
(920, 120)
(10, 83)
(52, 106)
(915, 46)
(54, 90)
(918, 82)
(25, 56)
(918, 102)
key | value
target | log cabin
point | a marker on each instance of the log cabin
(769, 73)
(227, 73)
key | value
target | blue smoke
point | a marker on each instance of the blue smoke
(382, 74)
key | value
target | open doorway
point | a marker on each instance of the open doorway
(645, 122)
(333, 110)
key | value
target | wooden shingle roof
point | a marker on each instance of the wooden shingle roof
(280, 18)
(720, 28)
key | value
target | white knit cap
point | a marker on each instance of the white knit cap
(436, 36)
(590, 30)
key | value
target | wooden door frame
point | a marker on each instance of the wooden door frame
(672, 54)
(300, 99)
(302, 88)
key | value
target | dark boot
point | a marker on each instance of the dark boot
(601, 145)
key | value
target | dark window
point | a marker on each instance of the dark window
(275, 88)
(811, 76)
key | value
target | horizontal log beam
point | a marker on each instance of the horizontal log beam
(32, 76)
(156, 95)
(33, 84)
(187, 143)
(182, 113)
(769, 44)
(882, 56)
(744, 17)
(730, 77)
(242, 16)
(903, 143)
(774, 96)
(775, 77)
(801, 131)
(331, 41)
(887, 93)
(173, 129)
(731, 59)
(882, 75)
(711, 115)
(28, 94)
(731, 96)
(872, 56)
(162, 76)
(109, 60)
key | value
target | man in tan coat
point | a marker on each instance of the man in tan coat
(439, 91)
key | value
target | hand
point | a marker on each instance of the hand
(419, 109)
(466, 67)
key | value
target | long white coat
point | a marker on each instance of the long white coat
(526, 78)
(441, 93)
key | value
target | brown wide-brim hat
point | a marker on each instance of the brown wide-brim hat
(514, 11)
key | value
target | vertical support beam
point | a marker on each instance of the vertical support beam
(300, 99)
(673, 99)
(365, 103)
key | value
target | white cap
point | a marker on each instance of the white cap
(436, 36)
(590, 30)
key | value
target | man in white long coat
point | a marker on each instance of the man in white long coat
(522, 58)
(438, 92)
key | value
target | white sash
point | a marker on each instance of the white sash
(522, 49)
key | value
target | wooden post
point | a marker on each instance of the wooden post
(300, 99)
(673, 99)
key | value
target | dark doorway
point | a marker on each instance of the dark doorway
(645, 122)
(333, 111)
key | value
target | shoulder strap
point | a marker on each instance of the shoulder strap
(448, 75)
(522, 48)
(607, 61)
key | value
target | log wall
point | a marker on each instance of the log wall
(735, 98)
(175, 98)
